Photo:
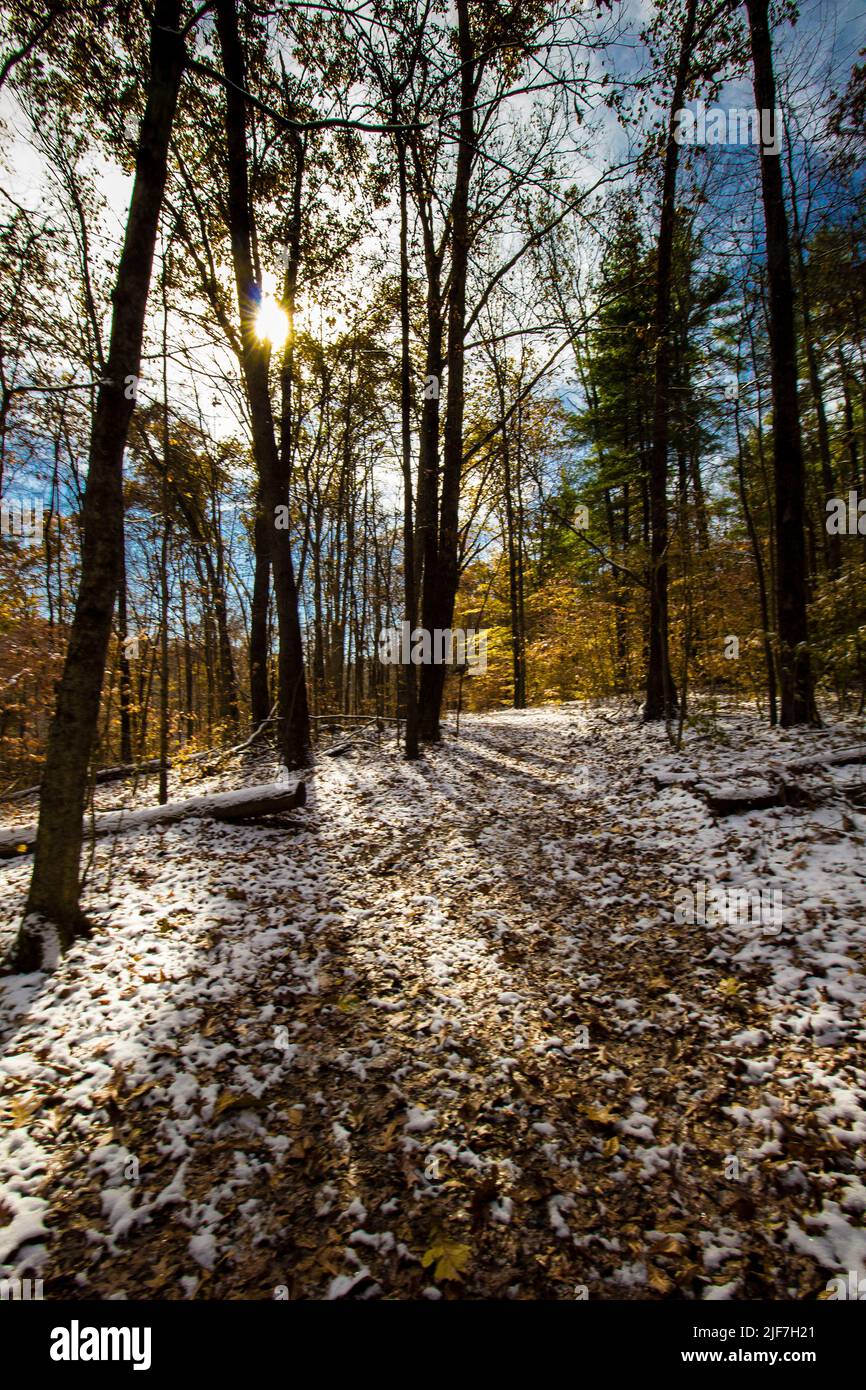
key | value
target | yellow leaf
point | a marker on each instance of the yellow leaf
(21, 1110)
(599, 1114)
(729, 987)
(611, 1146)
(141, 1090)
(449, 1257)
(226, 1102)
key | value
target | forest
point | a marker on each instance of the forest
(433, 667)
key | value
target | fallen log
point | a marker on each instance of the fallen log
(841, 758)
(105, 774)
(338, 749)
(747, 792)
(662, 781)
(732, 798)
(145, 769)
(264, 800)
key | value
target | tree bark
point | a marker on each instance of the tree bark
(293, 713)
(831, 541)
(513, 547)
(660, 693)
(766, 620)
(123, 656)
(441, 584)
(54, 888)
(260, 695)
(797, 692)
(427, 508)
(410, 599)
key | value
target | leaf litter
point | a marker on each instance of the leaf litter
(443, 1037)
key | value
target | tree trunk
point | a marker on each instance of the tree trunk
(293, 713)
(766, 620)
(660, 692)
(831, 541)
(164, 553)
(189, 705)
(427, 519)
(260, 696)
(163, 662)
(54, 888)
(441, 585)
(411, 603)
(513, 548)
(123, 657)
(797, 694)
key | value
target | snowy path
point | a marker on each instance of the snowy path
(449, 1011)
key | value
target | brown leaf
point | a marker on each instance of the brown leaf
(486, 1192)
(669, 1245)
(658, 1280)
(227, 1102)
(600, 1115)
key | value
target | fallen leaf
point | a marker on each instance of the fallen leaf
(668, 1245)
(599, 1114)
(21, 1110)
(449, 1258)
(658, 1280)
(228, 1102)
(730, 987)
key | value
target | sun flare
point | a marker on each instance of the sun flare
(272, 323)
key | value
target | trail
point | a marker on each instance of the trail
(440, 1035)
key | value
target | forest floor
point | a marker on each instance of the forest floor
(439, 1034)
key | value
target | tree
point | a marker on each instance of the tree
(54, 887)
(660, 691)
(797, 705)
(273, 496)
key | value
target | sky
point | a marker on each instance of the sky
(820, 50)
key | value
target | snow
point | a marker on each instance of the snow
(203, 1249)
(449, 961)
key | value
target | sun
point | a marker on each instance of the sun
(272, 322)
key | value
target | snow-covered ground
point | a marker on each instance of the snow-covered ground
(443, 1033)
